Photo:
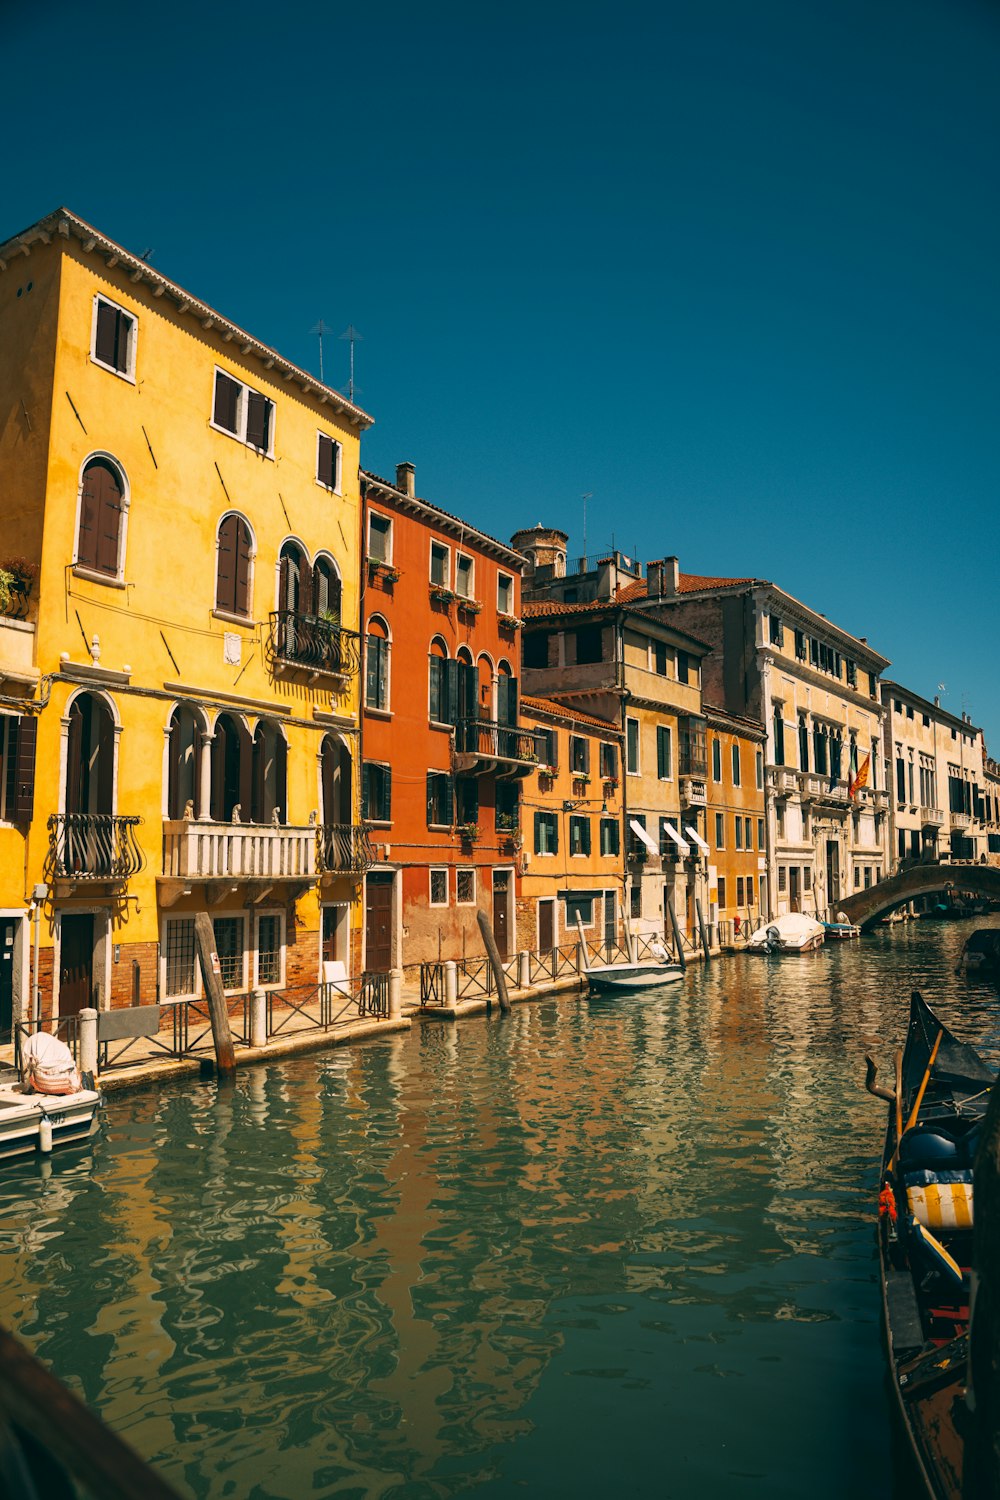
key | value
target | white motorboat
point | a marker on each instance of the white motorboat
(792, 933)
(608, 979)
(32, 1122)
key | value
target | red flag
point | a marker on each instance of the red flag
(861, 778)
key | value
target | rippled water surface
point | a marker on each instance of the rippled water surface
(595, 1247)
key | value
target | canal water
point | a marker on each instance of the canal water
(599, 1246)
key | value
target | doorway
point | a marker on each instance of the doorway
(501, 911)
(378, 922)
(832, 872)
(76, 962)
(794, 902)
(611, 923)
(8, 937)
(546, 926)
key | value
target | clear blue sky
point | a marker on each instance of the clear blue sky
(731, 268)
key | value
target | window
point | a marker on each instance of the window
(508, 809)
(589, 645)
(579, 908)
(453, 689)
(548, 748)
(736, 765)
(609, 762)
(749, 890)
(637, 848)
(377, 665)
(777, 631)
(467, 796)
(270, 949)
(579, 755)
(440, 565)
(505, 594)
(660, 658)
(683, 667)
(465, 887)
(535, 649)
(722, 892)
(579, 834)
(779, 736)
(748, 833)
(379, 537)
(663, 752)
(327, 462)
(635, 900)
(245, 414)
(739, 890)
(668, 844)
(103, 507)
(717, 760)
(229, 947)
(179, 955)
(782, 877)
(779, 819)
(852, 674)
(232, 579)
(807, 878)
(738, 822)
(113, 342)
(759, 764)
(439, 887)
(376, 792)
(440, 799)
(800, 645)
(463, 576)
(720, 830)
(632, 746)
(17, 767)
(760, 833)
(610, 836)
(546, 833)
(803, 743)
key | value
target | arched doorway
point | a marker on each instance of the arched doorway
(87, 843)
(339, 836)
(268, 801)
(231, 769)
(184, 751)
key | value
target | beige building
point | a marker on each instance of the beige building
(936, 768)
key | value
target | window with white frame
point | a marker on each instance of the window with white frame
(505, 594)
(439, 886)
(270, 959)
(463, 576)
(720, 830)
(113, 338)
(632, 747)
(465, 887)
(440, 565)
(379, 537)
(243, 413)
(180, 977)
(229, 947)
(328, 455)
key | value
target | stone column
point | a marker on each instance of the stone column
(88, 1041)
(395, 994)
(258, 1018)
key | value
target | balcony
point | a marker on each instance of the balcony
(483, 745)
(931, 817)
(693, 790)
(225, 854)
(93, 847)
(820, 788)
(960, 819)
(310, 643)
(344, 849)
(781, 780)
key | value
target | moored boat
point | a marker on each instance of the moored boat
(607, 979)
(981, 954)
(34, 1122)
(941, 1094)
(792, 933)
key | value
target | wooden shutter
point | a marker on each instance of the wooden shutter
(225, 581)
(227, 397)
(242, 593)
(109, 514)
(434, 675)
(74, 759)
(450, 694)
(326, 463)
(86, 550)
(585, 835)
(26, 733)
(106, 340)
(258, 420)
(448, 800)
(365, 791)
(538, 833)
(280, 776)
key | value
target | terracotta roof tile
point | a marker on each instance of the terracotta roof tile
(549, 706)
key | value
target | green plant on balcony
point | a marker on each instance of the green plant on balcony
(468, 833)
(508, 622)
(470, 606)
(440, 594)
(17, 575)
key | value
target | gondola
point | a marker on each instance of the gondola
(941, 1094)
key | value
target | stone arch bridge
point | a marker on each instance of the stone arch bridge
(867, 907)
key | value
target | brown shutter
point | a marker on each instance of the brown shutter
(233, 575)
(227, 396)
(258, 420)
(86, 551)
(74, 759)
(24, 767)
(327, 467)
(242, 582)
(106, 340)
(109, 513)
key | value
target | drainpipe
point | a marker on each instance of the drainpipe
(38, 895)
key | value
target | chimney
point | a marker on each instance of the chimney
(654, 579)
(937, 701)
(607, 577)
(406, 478)
(671, 577)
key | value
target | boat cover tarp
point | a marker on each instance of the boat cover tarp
(48, 1065)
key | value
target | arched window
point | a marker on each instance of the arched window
(377, 664)
(102, 505)
(506, 694)
(293, 579)
(269, 779)
(183, 761)
(437, 681)
(232, 581)
(326, 591)
(90, 756)
(484, 674)
(231, 769)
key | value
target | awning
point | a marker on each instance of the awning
(671, 831)
(697, 838)
(641, 833)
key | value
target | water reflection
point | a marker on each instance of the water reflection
(599, 1241)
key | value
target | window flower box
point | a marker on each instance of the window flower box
(441, 595)
(383, 570)
(508, 622)
(470, 606)
(468, 832)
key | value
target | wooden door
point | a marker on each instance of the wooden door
(76, 963)
(501, 888)
(793, 888)
(8, 931)
(378, 923)
(610, 923)
(546, 926)
(832, 872)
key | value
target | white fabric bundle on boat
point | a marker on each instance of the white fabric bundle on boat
(48, 1065)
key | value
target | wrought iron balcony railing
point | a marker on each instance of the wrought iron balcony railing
(344, 848)
(93, 846)
(490, 740)
(312, 643)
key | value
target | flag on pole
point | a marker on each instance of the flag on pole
(861, 776)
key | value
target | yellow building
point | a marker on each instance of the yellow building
(179, 702)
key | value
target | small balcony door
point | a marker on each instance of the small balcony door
(76, 962)
(378, 922)
(501, 911)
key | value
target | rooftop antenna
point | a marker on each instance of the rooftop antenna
(588, 496)
(147, 254)
(353, 337)
(319, 329)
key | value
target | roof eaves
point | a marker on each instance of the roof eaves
(435, 513)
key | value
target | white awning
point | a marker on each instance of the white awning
(682, 844)
(641, 833)
(693, 832)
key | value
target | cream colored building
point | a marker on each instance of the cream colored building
(936, 770)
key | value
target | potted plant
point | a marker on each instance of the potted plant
(470, 606)
(440, 594)
(468, 832)
(508, 622)
(17, 574)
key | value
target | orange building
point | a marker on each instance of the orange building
(736, 828)
(443, 750)
(572, 829)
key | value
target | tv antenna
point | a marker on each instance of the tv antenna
(319, 329)
(588, 496)
(352, 336)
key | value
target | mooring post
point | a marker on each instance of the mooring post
(88, 1041)
(493, 953)
(450, 982)
(702, 929)
(211, 975)
(523, 971)
(395, 994)
(678, 944)
(258, 1019)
